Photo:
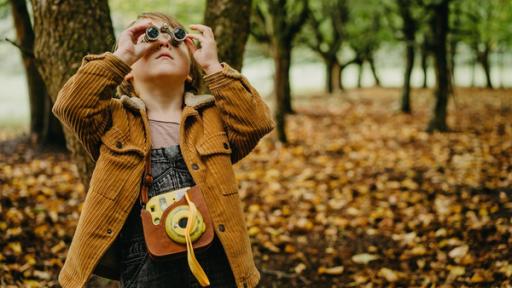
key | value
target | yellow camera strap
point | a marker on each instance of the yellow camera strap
(194, 265)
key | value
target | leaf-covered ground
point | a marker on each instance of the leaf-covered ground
(361, 197)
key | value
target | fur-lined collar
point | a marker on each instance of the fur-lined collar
(192, 100)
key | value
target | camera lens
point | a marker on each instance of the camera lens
(183, 222)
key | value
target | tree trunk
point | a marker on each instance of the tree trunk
(340, 79)
(39, 116)
(474, 63)
(483, 58)
(406, 89)
(228, 18)
(501, 60)
(424, 62)
(451, 66)
(333, 75)
(374, 71)
(456, 12)
(360, 75)
(439, 26)
(409, 31)
(60, 44)
(65, 32)
(282, 59)
(283, 30)
(53, 133)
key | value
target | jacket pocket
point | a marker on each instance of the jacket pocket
(215, 143)
(117, 141)
(216, 151)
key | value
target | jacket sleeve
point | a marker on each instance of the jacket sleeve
(83, 103)
(246, 117)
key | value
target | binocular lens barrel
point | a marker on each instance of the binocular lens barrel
(177, 36)
(180, 34)
(152, 33)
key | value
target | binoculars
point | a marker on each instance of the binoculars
(178, 35)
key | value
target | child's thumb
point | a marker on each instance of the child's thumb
(149, 46)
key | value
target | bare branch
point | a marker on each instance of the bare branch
(258, 27)
(295, 25)
(26, 52)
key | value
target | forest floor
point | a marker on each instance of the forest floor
(361, 196)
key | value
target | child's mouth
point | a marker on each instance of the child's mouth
(165, 56)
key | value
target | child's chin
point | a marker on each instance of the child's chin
(167, 74)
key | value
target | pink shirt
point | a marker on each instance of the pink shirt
(163, 133)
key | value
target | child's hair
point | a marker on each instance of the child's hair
(193, 86)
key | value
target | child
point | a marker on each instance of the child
(193, 139)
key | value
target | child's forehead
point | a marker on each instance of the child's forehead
(153, 21)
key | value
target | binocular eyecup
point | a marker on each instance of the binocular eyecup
(178, 35)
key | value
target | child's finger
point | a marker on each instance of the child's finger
(190, 45)
(139, 28)
(205, 30)
(199, 37)
(145, 47)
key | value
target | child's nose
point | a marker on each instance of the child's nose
(165, 39)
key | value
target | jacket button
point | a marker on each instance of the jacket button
(109, 231)
(195, 166)
(221, 227)
(119, 144)
(226, 145)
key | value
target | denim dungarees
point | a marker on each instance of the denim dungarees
(137, 268)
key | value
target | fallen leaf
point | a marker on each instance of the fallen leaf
(364, 258)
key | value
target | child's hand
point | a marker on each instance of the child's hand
(206, 56)
(129, 50)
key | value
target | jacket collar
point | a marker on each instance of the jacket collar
(192, 100)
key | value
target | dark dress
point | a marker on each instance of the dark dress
(137, 268)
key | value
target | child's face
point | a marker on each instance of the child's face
(163, 63)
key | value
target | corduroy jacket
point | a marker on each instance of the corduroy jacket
(216, 131)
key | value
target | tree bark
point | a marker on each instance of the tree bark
(483, 59)
(278, 27)
(474, 63)
(424, 62)
(439, 26)
(373, 67)
(65, 32)
(282, 60)
(451, 66)
(340, 68)
(406, 89)
(409, 31)
(40, 116)
(227, 19)
(360, 74)
(333, 75)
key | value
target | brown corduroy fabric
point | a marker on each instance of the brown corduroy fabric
(216, 131)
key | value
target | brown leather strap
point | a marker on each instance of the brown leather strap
(147, 180)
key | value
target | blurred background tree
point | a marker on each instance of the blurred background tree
(63, 35)
(44, 126)
(229, 18)
(365, 34)
(404, 18)
(278, 22)
(325, 34)
(335, 33)
(342, 140)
